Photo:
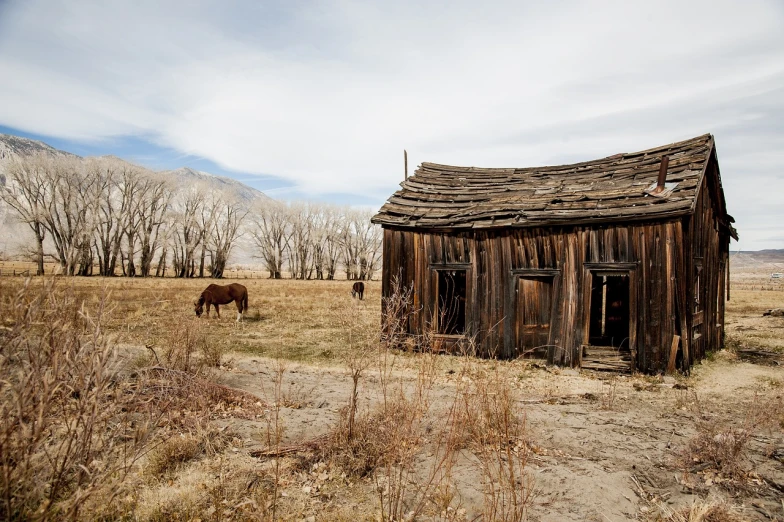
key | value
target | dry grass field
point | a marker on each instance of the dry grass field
(118, 403)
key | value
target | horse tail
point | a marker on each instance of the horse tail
(245, 302)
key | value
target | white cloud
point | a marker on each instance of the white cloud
(325, 95)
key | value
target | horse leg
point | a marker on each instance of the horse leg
(217, 310)
(238, 302)
(208, 309)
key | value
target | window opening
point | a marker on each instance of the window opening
(697, 287)
(451, 306)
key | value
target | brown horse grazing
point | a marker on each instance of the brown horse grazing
(358, 288)
(218, 295)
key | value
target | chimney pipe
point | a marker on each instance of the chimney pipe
(405, 163)
(665, 162)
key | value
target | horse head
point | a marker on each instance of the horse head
(198, 306)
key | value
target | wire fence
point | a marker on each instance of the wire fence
(26, 269)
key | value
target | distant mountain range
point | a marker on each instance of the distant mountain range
(767, 259)
(15, 146)
(16, 237)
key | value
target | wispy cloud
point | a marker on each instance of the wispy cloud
(325, 95)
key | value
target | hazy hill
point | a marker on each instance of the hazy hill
(763, 259)
(187, 176)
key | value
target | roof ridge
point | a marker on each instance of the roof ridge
(708, 137)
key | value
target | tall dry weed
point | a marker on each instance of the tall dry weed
(711, 510)
(182, 341)
(721, 446)
(496, 427)
(70, 431)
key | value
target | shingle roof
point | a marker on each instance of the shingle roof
(609, 189)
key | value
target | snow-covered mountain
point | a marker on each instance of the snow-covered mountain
(15, 237)
(15, 146)
(188, 176)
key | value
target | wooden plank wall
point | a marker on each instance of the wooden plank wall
(708, 244)
(491, 257)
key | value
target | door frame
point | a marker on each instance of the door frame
(611, 269)
(534, 273)
(432, 312)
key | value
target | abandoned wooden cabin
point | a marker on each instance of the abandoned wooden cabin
(619, 263)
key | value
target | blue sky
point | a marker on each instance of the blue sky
(317, 100)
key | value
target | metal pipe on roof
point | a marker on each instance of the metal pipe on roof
(665, 162)
(405, 163)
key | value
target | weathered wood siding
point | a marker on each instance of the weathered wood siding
(706, 267)
(652, 254)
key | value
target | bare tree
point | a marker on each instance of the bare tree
(301, 216)
(107, 228)
(154, 200)
(27, 192)
(225, 233)
(66, 213)
(207, 217)
(271, 234)
(188, 231)
(361, 242)
(327, 223)
(132, 188)
(116, 187)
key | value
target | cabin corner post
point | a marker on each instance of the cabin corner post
(682, 280)
(669, 325)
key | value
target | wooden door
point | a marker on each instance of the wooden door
(532, 318)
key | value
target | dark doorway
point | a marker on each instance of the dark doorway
(451, 306)
(609, 311)
(534, 305)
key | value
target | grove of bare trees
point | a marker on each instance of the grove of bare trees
(109, 217)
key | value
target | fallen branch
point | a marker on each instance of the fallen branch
(308, 445)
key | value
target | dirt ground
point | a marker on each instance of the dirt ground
(602, 446)
(608, 445)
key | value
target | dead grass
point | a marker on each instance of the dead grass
(718, 453)
(184, 447)
(71, 429)
(296, 314)
(713, 510)
(392, 459)
(746, 328)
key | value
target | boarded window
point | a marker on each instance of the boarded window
(698, 316)
(451, 305)
(533, 310)
(609, 310)
(697, 286)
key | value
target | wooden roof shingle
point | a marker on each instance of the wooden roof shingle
(611, 189)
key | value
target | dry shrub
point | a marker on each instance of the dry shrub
(223, 491)
(188, 401)
(404, 447)
(497, 430)
(182, 341)
(185, 447)
(70, 429)
(212, 354)
(395, 313)
(715, 510)
(720, 447)
(360, 448)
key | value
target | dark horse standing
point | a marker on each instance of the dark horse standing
(218, 295)
(358, 289)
